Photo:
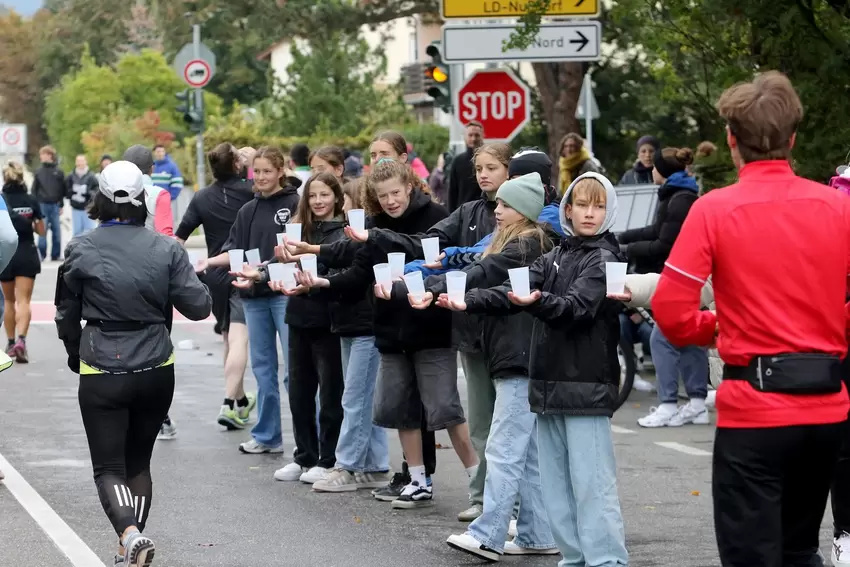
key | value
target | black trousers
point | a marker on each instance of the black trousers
(841, 479)
(121, 415)
(315, 364)
(770, 488)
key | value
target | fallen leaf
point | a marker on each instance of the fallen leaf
(253, 468)
(650, 507)
(636, 405)
(357, 520)
(695, 493)
(206, 545)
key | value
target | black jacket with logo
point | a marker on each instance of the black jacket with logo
(80, 189)
(574, 367)
(257, 225)
(49, 184)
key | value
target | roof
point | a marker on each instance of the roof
(266, 53)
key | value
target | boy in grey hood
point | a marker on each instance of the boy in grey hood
(574, 373)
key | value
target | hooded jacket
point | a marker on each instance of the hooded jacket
(257, 225)
(80, 188)
(574, 368)
(648, 247)
(395, 331)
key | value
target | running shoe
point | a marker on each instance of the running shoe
(20, 351)
(167, 431)
(230, 418)
(138, 550)
(245, 412)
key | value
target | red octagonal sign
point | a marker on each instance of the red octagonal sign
(497, 99)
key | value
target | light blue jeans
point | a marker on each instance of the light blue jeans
(579, 477)
(691, 362)
(81, 221)
(265, 319)
(53, 225)
(362, 447)
(512, 469)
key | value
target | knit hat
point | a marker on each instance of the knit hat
(529, 160)
(141, 157)
(651, 140)
(667, 166)
(524, 194)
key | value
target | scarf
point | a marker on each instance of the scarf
(567, 165)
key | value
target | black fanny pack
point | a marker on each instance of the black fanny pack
(118, 326)
(799, 373)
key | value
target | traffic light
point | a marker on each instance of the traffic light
(192, 108)
(438, 79)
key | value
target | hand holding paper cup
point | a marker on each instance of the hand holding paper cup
(415, 284)
(456, 286)
(253, 257)
(237, 258)
(288, 275)
(519, 281)
(383, 276)
(430, 249)
(293, 232)
(396, 262)
(357, 219)
(615, 277)
(310, 264)
(280, 236)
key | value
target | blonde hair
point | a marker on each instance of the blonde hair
(520, 230)
(763, 116)
(354, 189)
(590, 189)
(385, 170)
(501, 152)
(48, 150)
(13, 172)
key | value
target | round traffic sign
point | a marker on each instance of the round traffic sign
(197, 73)
(11, 137)
(497, 99)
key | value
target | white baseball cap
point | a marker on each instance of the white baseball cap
(122, 182)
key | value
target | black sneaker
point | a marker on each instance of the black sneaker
(393, 490)
(414, 496)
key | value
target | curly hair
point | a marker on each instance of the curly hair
(385, 170)
(13, 172)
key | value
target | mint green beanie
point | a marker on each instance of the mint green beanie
(524, 194)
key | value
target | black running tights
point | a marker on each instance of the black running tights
(122, 415)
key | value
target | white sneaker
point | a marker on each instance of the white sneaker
(253, 447)
(642, 385)
(512, 529)
(841, 550)
(689, 414)
(290, 473)
(314, 475)
(513, 549)
(659, 417)
(468, 544)
(710, 399)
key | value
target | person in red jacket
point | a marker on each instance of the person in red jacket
(778, 249)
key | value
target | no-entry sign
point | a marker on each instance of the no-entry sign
(13, 139)
(497, 99)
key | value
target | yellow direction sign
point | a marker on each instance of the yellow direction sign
(483, 9)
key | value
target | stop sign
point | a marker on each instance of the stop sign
(497, 99)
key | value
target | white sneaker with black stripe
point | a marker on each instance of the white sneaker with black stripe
(468, 544)
(414, 496)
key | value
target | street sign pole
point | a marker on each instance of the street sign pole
(588, 114)
(199, 104)
(456, 130)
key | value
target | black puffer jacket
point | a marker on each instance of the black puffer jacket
(506, 340)
(574, 367)
(312, 310)
(466, 226)
(395, 330)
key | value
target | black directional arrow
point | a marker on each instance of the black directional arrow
(579, 3)
(582, 40)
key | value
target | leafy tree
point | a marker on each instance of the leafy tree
(331, 89)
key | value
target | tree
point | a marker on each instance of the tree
(142, 29)
(331, 88)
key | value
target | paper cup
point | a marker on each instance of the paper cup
(288, 275)
(415, 284)
(276, 272)
(430, 249)
(195, 256)
(519, 281)
(383, 275)
(253, 257)
(357, 219)
(456, 286)
(237, 259)
(615, 276)
(309, 263)
(396, 262)
(280, 236)
(293, 232)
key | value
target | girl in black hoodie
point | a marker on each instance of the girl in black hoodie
(418, 366)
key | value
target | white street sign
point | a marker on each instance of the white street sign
(13, 139)
(567, 41)
(581, 107)
(195, 71)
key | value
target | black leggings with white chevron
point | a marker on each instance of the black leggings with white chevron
(122, 415)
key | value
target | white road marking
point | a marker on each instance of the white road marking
(683, 448)
(68, 542)
(621, 430)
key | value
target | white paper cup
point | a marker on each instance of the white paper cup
(237, 259)
(288, 275)
(415, 284)
(276, 272)
(253, 257)
(293, 231)
(280, 236)
(195, 256)
(430, 249)
(615, 276)
(383, 276)
(357, 219)
(519, 281)
(456, 286)
(309, 263)
(396, 262)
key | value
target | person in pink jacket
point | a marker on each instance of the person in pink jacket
(157, 200)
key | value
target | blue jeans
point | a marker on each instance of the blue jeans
(579, 479)
(636, 333)
(265, 319)
(81, 221)
(362, 447)
(691, 362)
(50, 212)
(512, 468)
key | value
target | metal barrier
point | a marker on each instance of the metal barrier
(636, 206)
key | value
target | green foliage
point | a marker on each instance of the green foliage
(429, 141)
(525, 33)
(331, 89)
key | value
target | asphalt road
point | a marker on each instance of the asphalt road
(216, 507)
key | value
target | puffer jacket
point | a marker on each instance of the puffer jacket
(574, 368)
(124, 274)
